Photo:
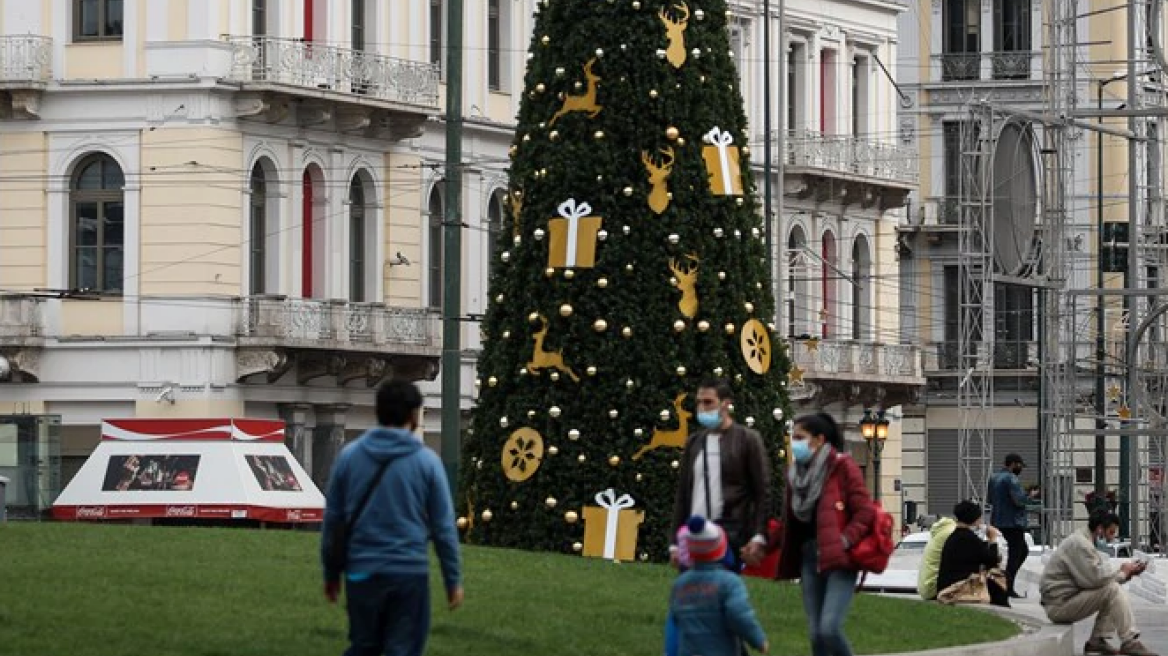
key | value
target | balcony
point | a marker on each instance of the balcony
(357, 89)
(21, 329)
(1007, 65)
(25, 70)
(848, 169)
(857, 372)
(1010, 356)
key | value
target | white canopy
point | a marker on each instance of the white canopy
(191, 468)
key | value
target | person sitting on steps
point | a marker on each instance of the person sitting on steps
(1078, 582)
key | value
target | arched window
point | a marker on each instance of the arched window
(257, 231)
(97, 213)
(495, 215)
(358, 240)
(861, 289)
(796, 242)
(827, 313)
(435, 209)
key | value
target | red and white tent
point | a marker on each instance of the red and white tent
(191, 468)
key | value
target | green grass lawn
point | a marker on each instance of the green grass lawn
(120, 591)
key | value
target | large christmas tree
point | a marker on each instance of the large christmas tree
(634, 269)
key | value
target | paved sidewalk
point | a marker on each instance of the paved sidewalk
(1151, 619)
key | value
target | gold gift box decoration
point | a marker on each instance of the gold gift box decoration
(722, 163)
(611, 527)
(572, 241)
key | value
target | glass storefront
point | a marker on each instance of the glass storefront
(30, 457)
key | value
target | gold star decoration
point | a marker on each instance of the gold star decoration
(812, 344)
(795, 375)
(1113, 392)
(1124, 412)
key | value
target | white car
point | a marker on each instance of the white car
(905, 564)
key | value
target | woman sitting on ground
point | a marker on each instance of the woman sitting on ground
(967, 555)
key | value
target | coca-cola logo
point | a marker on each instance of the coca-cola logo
(180, 511)
(90, 512)
(293, 515)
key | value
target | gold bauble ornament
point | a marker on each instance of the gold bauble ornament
(626, 332)
(591, 371)
(613, 414)
(506, 256)
(672, 133)
(703, 325)
(679, 325)
(602, 283)
(581, 458)
(600, 325)
(653, 93)
(492, 381)
(554, 411)
(565, 310)
(549, 272)
(553, 450)
(560, 71)
(462, 523)
(571, 517)
(503, 422)
(627, 191)
(681, 141)
(730, 328)
(545, 39)
(550, 502)
(630, 384)
(531, 414)
(514, 505)
(554, 135)
(574, 434)
(500, 298)
(555, 376)
(640, 477)
(681, 371)
(614, 460)
(599, 134)
(569, 274)
(745, 150)
(533, 317)
(748, 306)
(675, 464)
(512, 151)
(527, 137)
(577, 547)
(487, 515)
(636, 4)
(721, 275)
(637, 432)
(718, 371)
(664, 414)
(628, 268)
(540, 88)
(506, 334)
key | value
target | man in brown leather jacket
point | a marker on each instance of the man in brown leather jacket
(724, 475)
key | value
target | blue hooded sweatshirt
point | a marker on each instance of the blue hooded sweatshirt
(410, 507)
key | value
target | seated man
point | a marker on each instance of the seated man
(1078, 582)
(931, 561)
(966, 554)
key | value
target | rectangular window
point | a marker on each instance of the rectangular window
(357, 34)
(951, 131)
(494, 43)
(97, 20)
(962, 40)
(259, 17)
(1011, 58)
(827, 91)
(860, 82)
(436, 33)
(947, 350)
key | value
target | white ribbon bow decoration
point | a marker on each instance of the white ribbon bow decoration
(610, 502)
(573, 212)
(722, 141)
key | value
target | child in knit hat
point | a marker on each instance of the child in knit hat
(709, 605)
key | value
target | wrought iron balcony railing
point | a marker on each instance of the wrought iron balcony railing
(316, 66)
(1004, 65)
(1008, 355)
(25, 59)
(852, 155)
(869, 361)
(294, 321)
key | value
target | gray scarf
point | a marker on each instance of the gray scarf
(807, 484)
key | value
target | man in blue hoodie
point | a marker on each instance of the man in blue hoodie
(1010, 505)
(387, 568)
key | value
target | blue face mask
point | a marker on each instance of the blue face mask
(711, 419)
(801, 451)
(1102, 544)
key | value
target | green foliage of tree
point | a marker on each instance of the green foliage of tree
(621, 329)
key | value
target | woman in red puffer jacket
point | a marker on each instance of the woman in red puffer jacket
(826, 511)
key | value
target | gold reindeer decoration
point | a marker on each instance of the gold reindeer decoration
(516, 198)
(582, 102)
(687, 282)
(659, 178)
(541, 359)
(674, 438)
(675, 32)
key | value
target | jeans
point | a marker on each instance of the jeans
(388, 614)
(827, 597)
(1016, 554)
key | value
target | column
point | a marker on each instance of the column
(297, 434)
(327, 439)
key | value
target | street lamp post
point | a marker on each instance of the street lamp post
(874, 430)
